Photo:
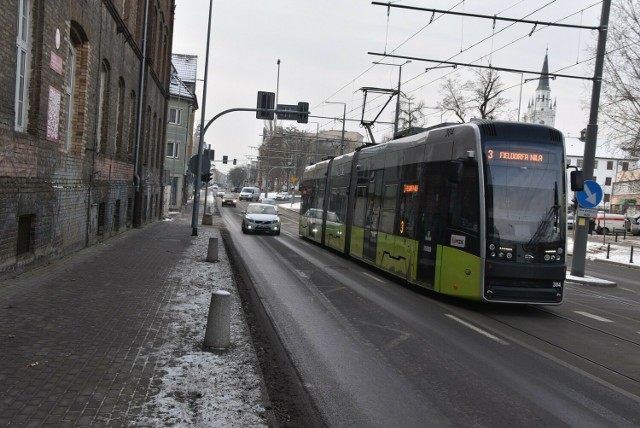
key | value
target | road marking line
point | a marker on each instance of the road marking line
(372, 277)
(592, 316)
(477, 330)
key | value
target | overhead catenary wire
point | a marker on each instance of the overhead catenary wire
(409, 90)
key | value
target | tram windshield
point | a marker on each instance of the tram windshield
(525, 192)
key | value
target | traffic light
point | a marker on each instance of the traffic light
(225, 158)
(206, 177)
(266, 101)
(234, 161)
(303, 112)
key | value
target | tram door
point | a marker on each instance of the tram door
(372, 219)
(432, 222)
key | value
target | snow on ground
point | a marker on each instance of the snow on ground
(198, 388)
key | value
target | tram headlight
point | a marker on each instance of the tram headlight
(547, 257)
(501, 255)
(492, 247)
(493, 254)
(560, 250)
(509, 256)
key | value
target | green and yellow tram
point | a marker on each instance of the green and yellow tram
(474, 210)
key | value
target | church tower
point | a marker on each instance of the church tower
(541, 109)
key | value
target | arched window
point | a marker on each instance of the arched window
(132, 124)
(120, 118)
(103, 108)
(69, 93)
(75, 88)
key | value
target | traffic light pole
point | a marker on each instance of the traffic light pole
(203, 129)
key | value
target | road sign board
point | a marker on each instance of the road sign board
(266, 100)
(587, 212)
(205, 166)
(291, 112)
(591, 196)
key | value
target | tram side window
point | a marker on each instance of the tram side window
(387, 218)
(465, 204)
(307, 192)
(360, 212)
(337, 205)
(409, 207)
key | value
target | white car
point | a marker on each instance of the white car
(283, 196)
(220, 193)
(261, 218)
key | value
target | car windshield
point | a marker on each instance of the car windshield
(261, 209)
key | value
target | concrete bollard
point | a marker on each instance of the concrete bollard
(218, 334)
(207, 219)
(212, 251)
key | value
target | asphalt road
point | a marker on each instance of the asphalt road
(373, 352)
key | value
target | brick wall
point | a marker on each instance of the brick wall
(60, 186)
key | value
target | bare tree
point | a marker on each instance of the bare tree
(411, 113)
(454, 100)
(480, 97)
(620, 105)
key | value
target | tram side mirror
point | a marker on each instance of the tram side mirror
(455, 171)
(577, 181)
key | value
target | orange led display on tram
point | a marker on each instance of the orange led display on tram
(410, 188)
(515, 156)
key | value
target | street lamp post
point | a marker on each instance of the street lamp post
(395, 127)
(344, 120)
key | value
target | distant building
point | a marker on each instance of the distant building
(81, 134)
(607, 164)
(626, 193)
(541, 109)
(180, 145)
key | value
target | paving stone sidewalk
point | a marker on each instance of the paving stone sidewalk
(75, 336)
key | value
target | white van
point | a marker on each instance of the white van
(249, 194)
(607, 223)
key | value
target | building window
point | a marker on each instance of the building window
(25, 234)
(607, 181)
(132, 123)
(102, 208)
(609, 165)
(22, 65)
(595, 178)
(580, 162)
(120, 117)
(174, 116)
(103, 107)
(625, 166)
(68, 94)
(595, 164)
(569, 161)
(606, 198)
(172, 149)
(75, 91)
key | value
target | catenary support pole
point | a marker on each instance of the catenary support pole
(582, 225)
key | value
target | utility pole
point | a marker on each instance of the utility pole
(582, 225)
(196, 192)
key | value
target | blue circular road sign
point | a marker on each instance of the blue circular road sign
(591, 196)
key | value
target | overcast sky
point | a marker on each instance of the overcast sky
(324, 46)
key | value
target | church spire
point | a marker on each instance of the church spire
(543, 83)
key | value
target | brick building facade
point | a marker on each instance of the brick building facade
(81, 139)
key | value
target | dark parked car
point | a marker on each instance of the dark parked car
(229, 199)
